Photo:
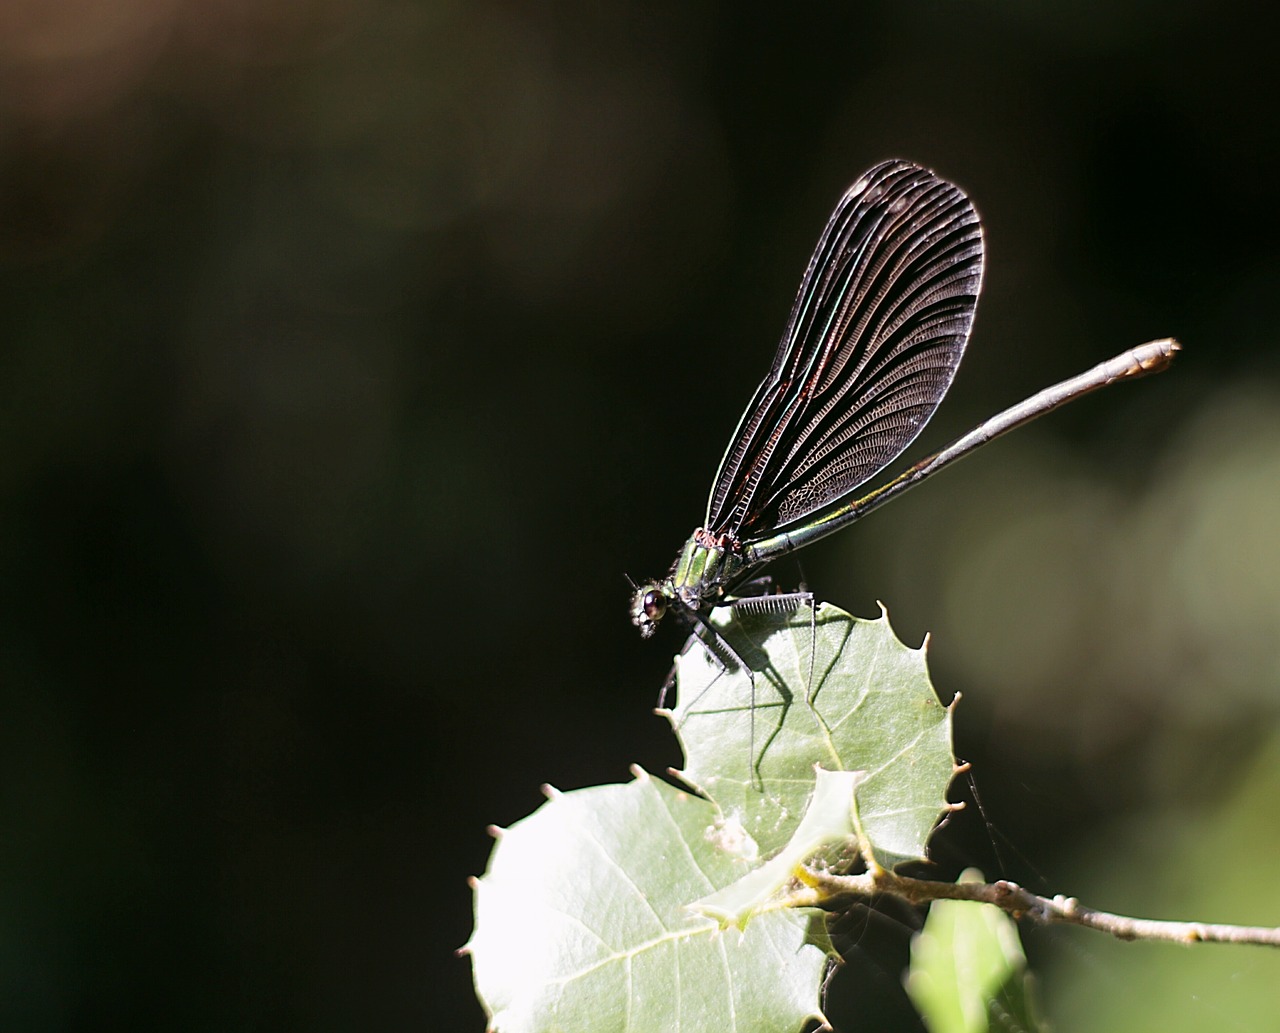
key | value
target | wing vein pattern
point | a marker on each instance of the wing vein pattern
(873, 341)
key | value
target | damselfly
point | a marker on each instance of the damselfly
(873, 342)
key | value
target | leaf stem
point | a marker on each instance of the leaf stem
(823, 890)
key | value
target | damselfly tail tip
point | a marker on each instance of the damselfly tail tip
(1155, 356)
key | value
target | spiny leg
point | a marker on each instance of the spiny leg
(772, 605)
(723, 656)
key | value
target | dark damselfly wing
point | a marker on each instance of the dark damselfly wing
(873, 342)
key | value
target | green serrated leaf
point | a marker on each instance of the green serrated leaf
(968, 973)
(582, 923)
(837, 692)
(830, 818)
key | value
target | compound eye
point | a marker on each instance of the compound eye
(654, 605)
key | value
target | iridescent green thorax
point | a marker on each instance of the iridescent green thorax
(709, 565)
(708, 568)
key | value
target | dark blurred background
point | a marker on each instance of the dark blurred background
(353, 351)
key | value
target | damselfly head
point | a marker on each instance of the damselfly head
(648, 606)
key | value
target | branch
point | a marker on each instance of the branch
(822, 890)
